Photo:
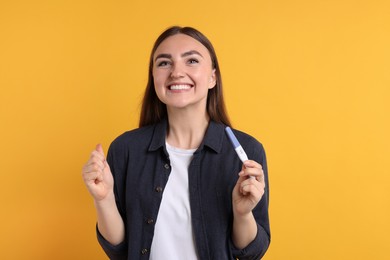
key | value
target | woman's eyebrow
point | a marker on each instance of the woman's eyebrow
(188, 53)
(185, 54)
(163, 55)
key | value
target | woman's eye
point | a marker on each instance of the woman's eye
(193, 61)
(162, 63)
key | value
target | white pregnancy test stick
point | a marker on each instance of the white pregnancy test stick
(237, 146)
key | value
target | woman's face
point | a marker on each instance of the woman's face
(183, 72)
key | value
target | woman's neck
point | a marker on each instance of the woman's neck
(186, 130)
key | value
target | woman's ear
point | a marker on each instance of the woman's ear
(213, 80)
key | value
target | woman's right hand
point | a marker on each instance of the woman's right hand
(97, 175)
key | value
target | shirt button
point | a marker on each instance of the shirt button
(144, 251)
(150, 221)
(166, 166)
(159, 189)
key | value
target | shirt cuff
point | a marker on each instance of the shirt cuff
(113, 252)
(255, 249)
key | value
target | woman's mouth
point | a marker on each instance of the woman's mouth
(180, 87)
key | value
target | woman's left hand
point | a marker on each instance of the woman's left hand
(248, 190)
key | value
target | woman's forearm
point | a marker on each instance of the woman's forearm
(244, 230)
(110, 222)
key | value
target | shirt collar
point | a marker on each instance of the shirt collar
(158, 138)
(213, 138)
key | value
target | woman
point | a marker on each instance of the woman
(174, 188)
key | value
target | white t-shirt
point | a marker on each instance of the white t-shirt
(173, 237)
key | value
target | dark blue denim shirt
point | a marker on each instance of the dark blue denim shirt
(140, 164)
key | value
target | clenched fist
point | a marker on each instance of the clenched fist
(97, 175)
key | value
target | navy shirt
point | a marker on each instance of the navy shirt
(140, 165)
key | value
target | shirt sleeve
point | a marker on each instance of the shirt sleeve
(256, 249)
(117, 252)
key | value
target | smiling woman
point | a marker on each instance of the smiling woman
(174, 188)
(309, 78)
(153, 110)
(183, 73)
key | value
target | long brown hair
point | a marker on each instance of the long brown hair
(153, 110)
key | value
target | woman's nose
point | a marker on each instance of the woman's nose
(177, 71)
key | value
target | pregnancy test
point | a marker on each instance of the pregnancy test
(237, 146)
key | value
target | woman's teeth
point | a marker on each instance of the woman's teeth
(179, 87)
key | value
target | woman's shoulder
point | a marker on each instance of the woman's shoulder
(134, 137)
(135, 133)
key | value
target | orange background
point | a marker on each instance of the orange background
(308, 78)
